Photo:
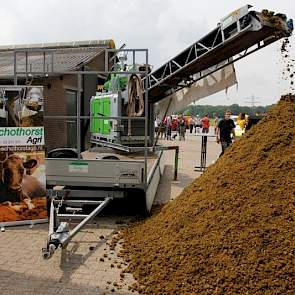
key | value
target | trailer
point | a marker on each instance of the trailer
(95, 180)
(125, 158)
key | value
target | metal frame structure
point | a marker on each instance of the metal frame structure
(49, 70)
(59, 233)
(31, 223)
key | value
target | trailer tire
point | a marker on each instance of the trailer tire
(63, 153)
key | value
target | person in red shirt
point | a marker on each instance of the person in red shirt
(205, 124)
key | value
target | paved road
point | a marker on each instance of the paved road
(189, 157)
(89, 265)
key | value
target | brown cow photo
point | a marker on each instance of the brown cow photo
(22, 187)
(22, 154)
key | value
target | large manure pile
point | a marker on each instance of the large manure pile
(233, 230)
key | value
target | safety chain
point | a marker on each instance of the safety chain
(60, 203)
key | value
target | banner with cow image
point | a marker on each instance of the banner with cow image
(22, 154)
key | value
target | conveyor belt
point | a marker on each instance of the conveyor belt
(236, 34)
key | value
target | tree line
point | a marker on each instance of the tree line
(201, 110)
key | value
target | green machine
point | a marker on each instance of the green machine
(101, 106)
(104, 105)
(122, 97)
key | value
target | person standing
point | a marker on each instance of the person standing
(205, 124)
(216, 120)
(226, 128)
(182, 128)
(241, 120)
(198, 124)
(191, 124)
(248, 123)
(169, 128)
(158, 121)
(156, 125)
(163, 129)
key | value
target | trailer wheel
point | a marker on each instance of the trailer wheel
(137, 203)
(62, 153)
(110, 157)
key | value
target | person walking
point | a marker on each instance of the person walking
(226, 128)
(205, 124)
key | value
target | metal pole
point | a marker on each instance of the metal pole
(26, 66)
(119, 122)
(99, 116)
(86, 220)
(133, 60)
(203, 153)
(52, 61)
(161, 124)
(204, 143)
(78, 122)
(84, 72)
(14, 68)
(106, 66)
(50, 248)
(44, 62)
(146, 121)
(176, 162)
(51, 218)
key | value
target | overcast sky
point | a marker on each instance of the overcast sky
(164, 27)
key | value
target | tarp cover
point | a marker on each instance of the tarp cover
(217, 81)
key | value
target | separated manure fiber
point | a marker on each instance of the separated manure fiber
(20, 211)
(233, 230)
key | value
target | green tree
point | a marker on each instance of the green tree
(201, 110)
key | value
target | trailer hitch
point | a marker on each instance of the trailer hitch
(59, 234)
(56, 239)
(48, 252)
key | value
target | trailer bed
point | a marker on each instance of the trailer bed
(96, 169)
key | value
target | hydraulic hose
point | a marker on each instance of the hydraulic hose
(135, 107)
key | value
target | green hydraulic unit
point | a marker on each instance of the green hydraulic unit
(113, 103)
(104, 105)
(100, 106)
